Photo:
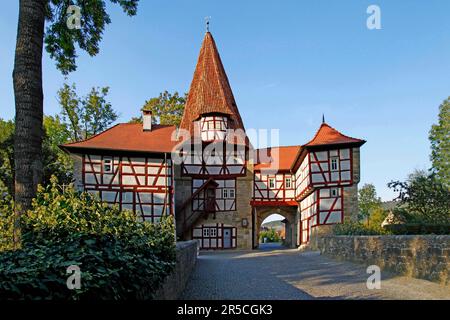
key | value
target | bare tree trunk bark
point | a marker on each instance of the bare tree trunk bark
(27, 78)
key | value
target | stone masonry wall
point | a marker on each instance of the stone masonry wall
(175, 283)
(351, 192)
(424, 256)
(77, 170)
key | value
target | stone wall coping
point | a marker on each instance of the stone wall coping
(185, 244)
(387, 236)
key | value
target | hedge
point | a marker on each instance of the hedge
(418, 228)
(119, 257)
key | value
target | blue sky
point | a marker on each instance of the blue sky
(288, 62)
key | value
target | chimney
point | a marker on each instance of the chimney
(147, 120)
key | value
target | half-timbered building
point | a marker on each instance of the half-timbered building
(206, 173)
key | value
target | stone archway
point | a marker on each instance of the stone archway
(289, 213)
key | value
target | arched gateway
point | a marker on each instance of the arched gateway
(210, 177)
(290, 224)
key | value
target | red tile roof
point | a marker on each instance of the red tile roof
(327, 135)
(129, 137)
(286, 155)
(210, 90)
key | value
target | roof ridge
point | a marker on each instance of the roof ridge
(95, 135)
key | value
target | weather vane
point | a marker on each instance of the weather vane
(207, 19)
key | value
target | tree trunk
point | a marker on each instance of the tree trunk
(27, 78)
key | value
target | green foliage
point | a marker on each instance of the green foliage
(56, 162)
(418, 228)
(7, 154)
(6, 218)
(85, 116)
(367, 201)
(425, 198)
(354, 228)
(119, 257)
(60, 41)
(440, 144)
(271, 235)
(167, 109)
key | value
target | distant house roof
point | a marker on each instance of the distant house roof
(210, 90)
(129, 137)
(327, 135)
(265, 158)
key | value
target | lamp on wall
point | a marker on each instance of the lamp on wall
(245, 222)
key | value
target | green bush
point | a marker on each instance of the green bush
(271, 235)
(119, 257)
(6, 219)
(424, 198)
(352, 228)
(418, 228)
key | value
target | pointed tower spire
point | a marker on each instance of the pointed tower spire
(323, 118)
(210, 90)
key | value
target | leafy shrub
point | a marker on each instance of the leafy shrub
(6, 219)
(119, 257)
(351, 228)
(425, 198)
(418, 228)
(271, 235)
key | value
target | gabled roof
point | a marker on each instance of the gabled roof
(286, 156)
(289, 157)
(210, 90)
(129, 137)
(327, 135)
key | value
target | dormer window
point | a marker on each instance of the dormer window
(213, 127)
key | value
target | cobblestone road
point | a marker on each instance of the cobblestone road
(290, 274)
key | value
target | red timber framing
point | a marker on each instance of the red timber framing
(138, 183)
(273, 189)
(225, 197)
(212, 237)
(324, 206)
(305, 231)
(226, 160)
(324, 168)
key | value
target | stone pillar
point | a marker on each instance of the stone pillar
(244, 210)
(351, 192)
(183, 191)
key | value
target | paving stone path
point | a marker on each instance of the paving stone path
(290, 274)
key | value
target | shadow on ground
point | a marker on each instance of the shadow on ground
(275, 272)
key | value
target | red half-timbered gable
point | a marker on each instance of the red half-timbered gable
(140, 184)
(273, 188)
